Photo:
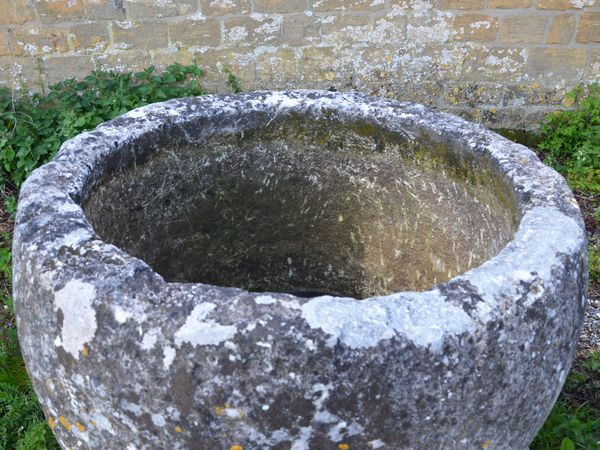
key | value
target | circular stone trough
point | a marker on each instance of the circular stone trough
(297, 270)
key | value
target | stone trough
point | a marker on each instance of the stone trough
(297, 270)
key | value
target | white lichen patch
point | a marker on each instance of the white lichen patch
(198, 331)
(121, 315)
(150, 339)
(425, 319)
(168, 357)
(265, 300)
(75, 301)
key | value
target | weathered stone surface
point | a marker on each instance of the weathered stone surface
(36, 40)
(523, 28)
(509, 4)
(145, 35)
(51, 11)
(143, 9)
(422, 42)
(105, 9)
(199, 33)
(547, 63)
(589, 28)
(299, 29)
(300, 191)
(562, 29)
(222, 7)
(562, 4)
(254, 30)
(15, 12)
(475, 27)
(279, 6)
(89, 38)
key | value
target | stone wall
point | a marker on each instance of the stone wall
(503, 62)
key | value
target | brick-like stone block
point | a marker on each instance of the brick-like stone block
(88, 37)
(278, 69)
(509, 4)
(562, 29)
(59, 68)
(279, 6)
(494, 64)
(461, 4)
(525, 29)
(134, 60)
(589, 28)
(324, 65)
(242, 65)
(211, 8)
(164, 58)
(104, 9)
(532, 94)
(556, 64)
(38, 40)
(388, 30)
(52, 11)
(5, 46)
(471, 94)
(15, 12)
(142, 35)
(561, 4)
(592, 73)
(257, 29)
(343, 29)
(199, 33)
(300, 30)
(344, 5)
(145, 9)
(22, 73)
(475, 27)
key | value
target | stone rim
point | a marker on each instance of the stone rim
(543, 198)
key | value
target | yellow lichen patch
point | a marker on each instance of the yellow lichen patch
(85, 351)
(80, 427)
(343, 446)
(65, 423)
(236, 447)
(219, 410)
(178, 429)
(51, 422)
(93, 422)
(486, 444)
(535, 85)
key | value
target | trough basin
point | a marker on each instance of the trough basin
(297, 270)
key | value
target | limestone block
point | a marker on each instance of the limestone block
(204, 32)
(475, 27)
(211, 8)
(254, 30)
(52, 11)
(562, 29)
(15, 12)
(143, 35)
(144, 9)
(589, 28)
(523, 29)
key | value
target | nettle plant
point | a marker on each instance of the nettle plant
(32, 127)
(571, 139)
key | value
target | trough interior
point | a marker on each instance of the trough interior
(307, 206)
